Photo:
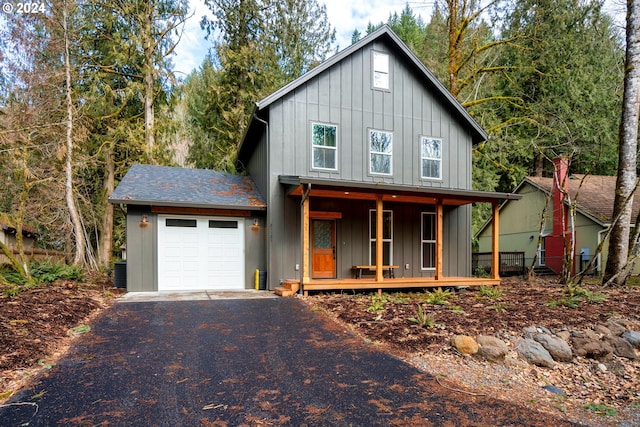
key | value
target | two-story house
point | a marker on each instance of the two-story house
(358, 175)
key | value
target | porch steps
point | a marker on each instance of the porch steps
(541, 270)
(288, 288)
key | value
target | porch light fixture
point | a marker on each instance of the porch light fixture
(144, 221)
(531, 238)
(256, 225)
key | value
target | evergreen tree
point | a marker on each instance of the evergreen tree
(262, 45)
(568, 72)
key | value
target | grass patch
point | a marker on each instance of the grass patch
(601, 409)
(575, 295)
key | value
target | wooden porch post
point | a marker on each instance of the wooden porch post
(438, 273)
(495, 238)
(379, 244)
(305, 241)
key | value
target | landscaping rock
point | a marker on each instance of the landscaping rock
(491, 348)
(616, 328)
(564, 335)
(603, 330)
(592, 349)
(621, 347)
(465, 344)
(633, 337)
(557, 348)
(534, 353)
(529, 331)
(555, 390)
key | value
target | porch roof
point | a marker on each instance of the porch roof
(391, 192)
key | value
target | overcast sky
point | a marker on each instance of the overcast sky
(344, 15)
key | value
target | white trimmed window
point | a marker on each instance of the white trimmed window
(380, 70)
(428, 240)
(324, 146)
(380, 152)
(431, 157)
(387, 237)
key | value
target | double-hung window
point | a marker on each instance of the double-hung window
(387, 237)
(380, 152)
(428, 240)
(431, 157)
(324, 146)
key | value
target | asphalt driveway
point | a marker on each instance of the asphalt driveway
(241, 362)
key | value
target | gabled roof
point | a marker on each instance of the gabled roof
(168, 186)
(383, 33)
(593, 194)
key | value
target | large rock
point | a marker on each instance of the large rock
(534, 353)
(633, 337)
(465, 344)
(622, 347)
(557, 348)
(592, 349)
(491, 348)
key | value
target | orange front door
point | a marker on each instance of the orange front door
(323, 249)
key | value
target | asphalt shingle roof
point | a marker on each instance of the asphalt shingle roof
(594, 196)
(170, 186)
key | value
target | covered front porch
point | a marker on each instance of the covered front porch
(383, 198)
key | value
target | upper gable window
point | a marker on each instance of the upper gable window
(380, 70)
(431, 157)
(380, 152)
(324, 145)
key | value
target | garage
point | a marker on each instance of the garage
(197, 253)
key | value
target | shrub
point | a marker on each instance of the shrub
(47, 272)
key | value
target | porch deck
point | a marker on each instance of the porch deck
(399, 283)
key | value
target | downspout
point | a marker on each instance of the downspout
(304, 197)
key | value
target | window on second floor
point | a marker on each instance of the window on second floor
(380, 152)
(380, 70)
(324, 146)
(431, 158)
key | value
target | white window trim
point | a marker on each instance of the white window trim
(439, 178)
(371, 152)
(423, 241)
(373, 239)
(313, 147)
(378, 71)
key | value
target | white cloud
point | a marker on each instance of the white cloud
(193, 46)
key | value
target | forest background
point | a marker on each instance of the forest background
(87, 89)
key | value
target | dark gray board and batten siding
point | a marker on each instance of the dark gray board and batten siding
(342, 95)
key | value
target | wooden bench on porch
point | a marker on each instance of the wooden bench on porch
(358, 269)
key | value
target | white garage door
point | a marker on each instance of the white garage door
(196, 253)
